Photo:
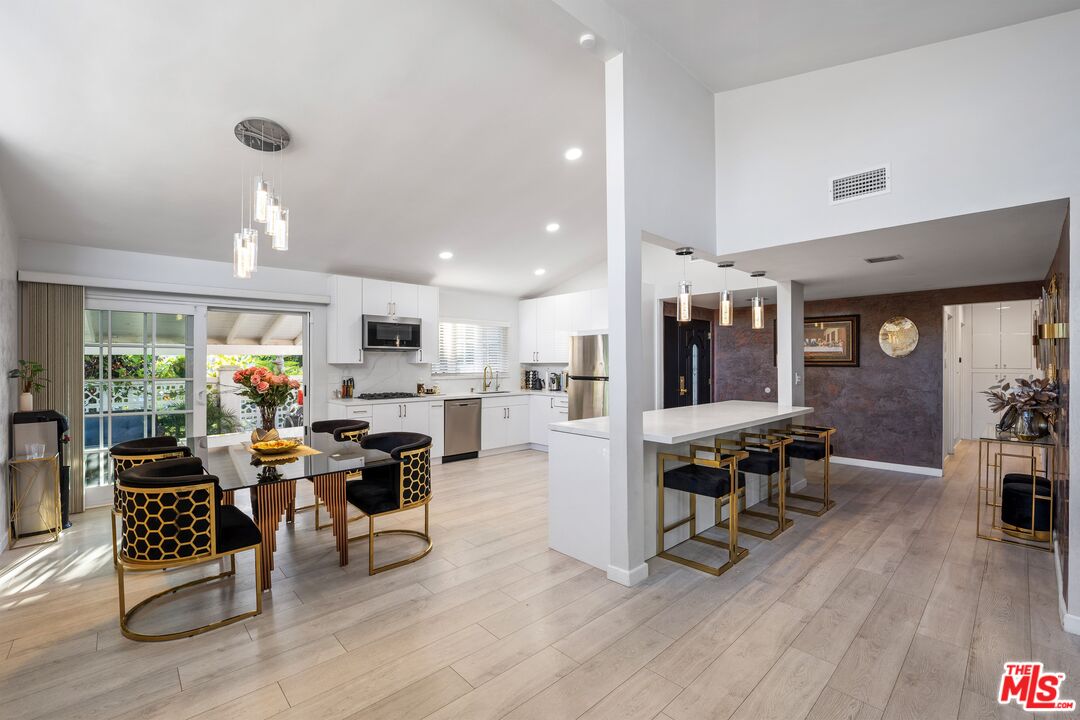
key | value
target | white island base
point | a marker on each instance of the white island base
(581, 493)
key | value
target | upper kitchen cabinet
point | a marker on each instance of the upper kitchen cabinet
(1001, 335)
(382, 297)
(428, 312)
(545, 324)
(344, 329)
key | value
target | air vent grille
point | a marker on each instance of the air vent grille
(884, 258)
(860, 185)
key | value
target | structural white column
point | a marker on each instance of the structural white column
(789, 343)
(626, 360)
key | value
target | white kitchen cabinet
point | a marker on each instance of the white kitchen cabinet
(405, 416)
(405, 299)
(344, 328)
(382, 297)
(428, 312)
(386, 417)
(416, 417)
(544, 410)
(546, 321)
(528, 331)
(349, 411)
(436, 427)
(504, 422)
(1001, 336)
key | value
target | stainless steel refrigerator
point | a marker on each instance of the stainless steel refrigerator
(587, 390)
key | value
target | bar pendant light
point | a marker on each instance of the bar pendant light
(685, 304)
(281, 231)
(757, 306)
(727, 298)
(262, 199)
(264, 205)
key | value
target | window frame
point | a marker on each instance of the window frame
(506, 327)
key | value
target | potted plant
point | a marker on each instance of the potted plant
(268, 392)
(1033, 402)
(31, 380)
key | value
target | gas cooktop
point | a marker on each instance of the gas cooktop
(386, 396)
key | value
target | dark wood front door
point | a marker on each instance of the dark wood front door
(687, 362)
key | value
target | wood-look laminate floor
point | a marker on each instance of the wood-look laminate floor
(887, 606)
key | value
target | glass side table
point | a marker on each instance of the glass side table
(1002, 455)
(34, 489)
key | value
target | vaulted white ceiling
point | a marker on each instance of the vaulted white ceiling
(728, 44)
(418, 127)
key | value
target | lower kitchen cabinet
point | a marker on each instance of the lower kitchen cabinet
(544, 410)
(407, 416)
(436, 427)
(504, 422)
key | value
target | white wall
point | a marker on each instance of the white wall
(977, 123)
(9, 344)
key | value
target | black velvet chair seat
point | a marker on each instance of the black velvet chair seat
(806, 450)
(338, 428)
(701, 480)
(1041, 483)
(1016, 506)
(761, 462)
(235, 529)
(375, 495)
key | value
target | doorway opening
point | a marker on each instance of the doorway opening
(687, 362)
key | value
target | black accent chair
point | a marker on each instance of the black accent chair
(1027, 507)
(133, 453)
(709, 478)
(403, 485)
(342, 430)
(173, 517)
(813, 443)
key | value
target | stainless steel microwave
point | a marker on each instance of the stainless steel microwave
(385, 332)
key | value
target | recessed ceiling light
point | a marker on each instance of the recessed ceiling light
(573, 153)
(552, 227)
(446, 255)
(587, 41)
(539, 271)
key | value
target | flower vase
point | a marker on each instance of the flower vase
(1030, 425)
(268, 420)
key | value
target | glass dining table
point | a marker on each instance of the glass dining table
(271, 481)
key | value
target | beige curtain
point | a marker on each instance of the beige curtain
(51, 333)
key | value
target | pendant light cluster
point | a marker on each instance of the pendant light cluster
(684, 305)
(260, 197)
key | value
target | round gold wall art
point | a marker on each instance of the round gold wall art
(898, 336)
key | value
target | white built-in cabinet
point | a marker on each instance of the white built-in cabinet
(545, 324)
(351, 298)
(436, 427)
(1001, 336)
(544, 410)
(406, 416)
(504, 422)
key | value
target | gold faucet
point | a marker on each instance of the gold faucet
(487, 374)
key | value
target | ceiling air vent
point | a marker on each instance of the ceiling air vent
(867, 183)
(884, 258)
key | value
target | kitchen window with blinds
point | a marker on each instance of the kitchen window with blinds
(466, 347)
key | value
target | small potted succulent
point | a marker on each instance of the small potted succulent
(1030, 406)
(31, 380)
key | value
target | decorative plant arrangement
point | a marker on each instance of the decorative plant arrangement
(266, 390)
(1030, 405)
(31, 380)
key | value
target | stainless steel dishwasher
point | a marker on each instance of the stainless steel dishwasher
(461, 428)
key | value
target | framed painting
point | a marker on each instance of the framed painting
(831, 341)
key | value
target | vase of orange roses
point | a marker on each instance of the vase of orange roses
(268, 392)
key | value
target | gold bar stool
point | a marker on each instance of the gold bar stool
(811, 442)
(130, 454)
(717, 478)
(766, 456)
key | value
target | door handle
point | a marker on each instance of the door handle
(399, 411)
(406, 408)
(682, 384)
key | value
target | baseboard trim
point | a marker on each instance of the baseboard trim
(1069, 623)
(891, 467)
(628, 578)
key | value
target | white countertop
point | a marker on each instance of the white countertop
(678, 425)
(446, 396)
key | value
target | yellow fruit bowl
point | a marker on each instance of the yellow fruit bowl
(275, 447)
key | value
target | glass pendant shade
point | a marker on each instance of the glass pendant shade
(758, 309)
(684, 306)
(240, 263)
(262, 199)
(273, 213)
(727, 308)
(281, 231)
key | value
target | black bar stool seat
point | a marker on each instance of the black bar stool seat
(807, 450)
(701, 480)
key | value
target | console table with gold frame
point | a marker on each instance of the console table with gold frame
(20, 501)
(1032, 458)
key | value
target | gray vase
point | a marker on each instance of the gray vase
(1030, 425)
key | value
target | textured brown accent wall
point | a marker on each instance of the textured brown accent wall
(887, 409)
(1060, 267)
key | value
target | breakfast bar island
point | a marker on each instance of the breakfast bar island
(582, 496)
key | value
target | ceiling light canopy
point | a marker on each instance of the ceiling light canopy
(552, 227)
(445, 255)
(573, 153)
(264, 204)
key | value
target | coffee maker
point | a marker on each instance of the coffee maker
(555, 381)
